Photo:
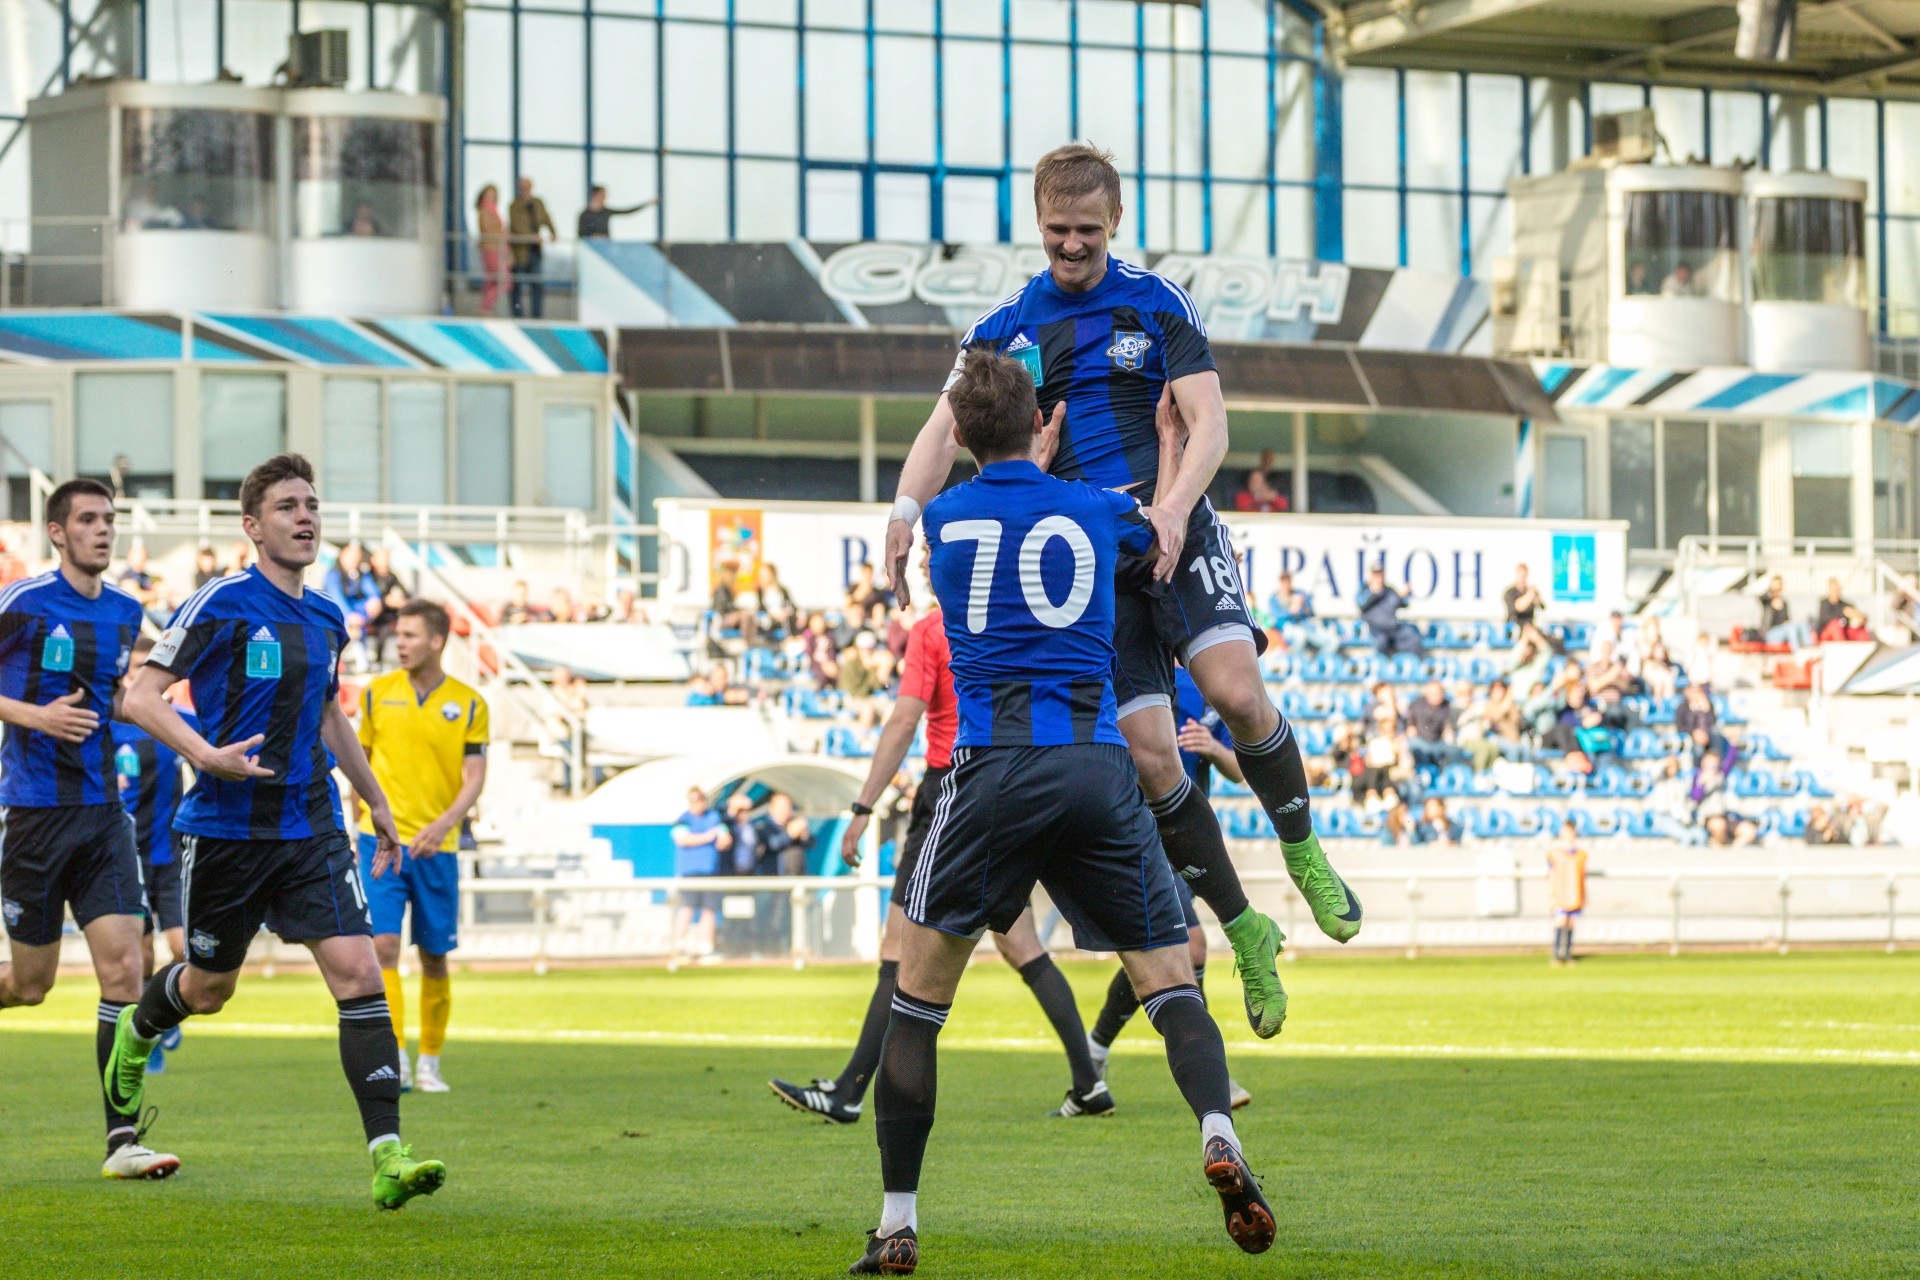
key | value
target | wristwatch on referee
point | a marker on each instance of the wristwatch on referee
(861, 810)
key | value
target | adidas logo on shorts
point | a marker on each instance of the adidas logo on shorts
(1227, 604)
(384, 1073)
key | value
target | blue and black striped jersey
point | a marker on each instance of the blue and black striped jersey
(149, 772)
(260, 661)
(53, 640)
(1023, 566)
(1107, 352)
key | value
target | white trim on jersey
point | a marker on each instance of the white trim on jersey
(190, 611)
(1002, 305)
(20, 588)
(1185, 299)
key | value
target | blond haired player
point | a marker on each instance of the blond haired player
(1567, 881)
(426, 734)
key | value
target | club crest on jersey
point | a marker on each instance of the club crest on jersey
(1027, 352)
(1129, 349)
(56, 651)
(124, 661)
(263, 656)
(449, 712)
(203, 943)
(12, 911)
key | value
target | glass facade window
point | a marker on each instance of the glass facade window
(483, 443)
(26, 428)
(1401, 464)
(1736, 482)
(572, 478)
(130, 416)
(195, 170)
(1563, 478)
(1822, 481)
(1683, 455)
(363, 177)
(1630, 480)
(417, 442)
(1809, 250)
(350, 429)
(1892, 469)
(1681, 244)
(243, 419)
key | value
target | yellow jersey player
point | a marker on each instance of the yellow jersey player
(426, 734)
(1567, 881)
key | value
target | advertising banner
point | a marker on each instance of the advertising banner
(1448, 568)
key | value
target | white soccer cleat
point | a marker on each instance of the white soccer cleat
(406, 1073)
(426, 1078)
(134, 1162)
(1237, 1094)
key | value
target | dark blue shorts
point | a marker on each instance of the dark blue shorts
(1070, 818)
(431, 886)
(79, 856)
(305, 890)
(1156, 622)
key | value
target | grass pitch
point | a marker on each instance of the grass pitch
(1750, 1116)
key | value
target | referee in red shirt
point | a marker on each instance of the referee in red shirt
(926, 689)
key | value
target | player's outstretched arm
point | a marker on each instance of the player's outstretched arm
(337, 732)
(145, 704)
(926, 469)
(896, 739)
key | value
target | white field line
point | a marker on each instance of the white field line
(1136, 1045)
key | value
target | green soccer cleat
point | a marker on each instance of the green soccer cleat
(1256, 943)
(125, 1079)
(1334, 907)
(398, 1177)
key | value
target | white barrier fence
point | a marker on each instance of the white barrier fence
(538, 920)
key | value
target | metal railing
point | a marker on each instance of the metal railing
(1411, 911)
(1872, 571)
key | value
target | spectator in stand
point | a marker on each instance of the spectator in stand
(626, 608)
(899, 632)
(383, 612)
(1822, 829)
(1658, 674)
(1396, 823)
(1599, 742)
(1850, 625)
(560, 606)
(143, 584)
(239, 555)
(1435, 827)
(729, 613)
(740, 824)
(1341, 761)
(1380, 606)
(1497, 716)
(1906, 606)
(490, 235)
(1287, 603)
(1833, 608)
(1706, 795)
(568, 731)
(857, 679)
(783, 840)
(595, 220)
(1700, 661)
(1259, 494)
(822, 654)
(1523, 601)
(1431, 721)
(700, 693)
(519, 610)
(700, 836)
(349, 582)
(354, 658)
(1624, 641)
(863, 591)
(1607, 677)
(1386, 759)
(725, 692)
(1776, 622)
(779, 616)
(205, 567)
(527, 221)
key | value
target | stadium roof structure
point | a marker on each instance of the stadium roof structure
(1843, 47)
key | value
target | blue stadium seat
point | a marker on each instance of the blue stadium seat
(1402, 668)
(1315, 740)
(1452, 783)
(1813, 786)
(1482, 670)
(1589, 825)
(1749, 784)
(810, 704)
(1279, 665)
(1226, 787)
(765, 664)
(843, 743)
(1661, 712)
(1790, 823)
(1350, 704)
(1642, 744)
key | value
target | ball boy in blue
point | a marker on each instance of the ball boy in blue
(1042, 789)
(263, 840)
(65, 638)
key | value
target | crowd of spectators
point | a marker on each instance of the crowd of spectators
(751, 837)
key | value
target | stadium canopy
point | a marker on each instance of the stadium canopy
(655, 793)
(1842, 46)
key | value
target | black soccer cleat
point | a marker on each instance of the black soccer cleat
(1097, 1101)
(1249, 1216)
(816, 1099)
(894, 1255)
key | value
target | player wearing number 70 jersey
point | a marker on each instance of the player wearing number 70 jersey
(263, 840)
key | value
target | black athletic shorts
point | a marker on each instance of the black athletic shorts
(919, 822)
(1070, 818)
(1157, 622)
(163, 890)
(78, 855)
(303, 890)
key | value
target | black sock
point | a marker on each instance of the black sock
(1117, 1011)
(119, 1127)
(1278, 775)
(1195, 1051)
(852, 1084)
(161, 1007)
(371, 1058)
(1055, 994)
(1197, 849)
(904, 1089)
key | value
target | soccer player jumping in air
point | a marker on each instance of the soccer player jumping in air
(1041, 790)
(65, 639)
(1108, 340)
(263, 840)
